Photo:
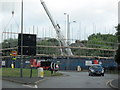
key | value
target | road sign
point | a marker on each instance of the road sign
(95, 61)
(3, 63)
(14, 53)
(14, 58)
(88, 63)
(100, 63)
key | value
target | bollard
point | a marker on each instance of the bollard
(78, 68)
(40, 72)
(12, 65)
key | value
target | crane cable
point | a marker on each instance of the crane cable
(10, 21)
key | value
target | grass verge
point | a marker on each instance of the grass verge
(9, 72)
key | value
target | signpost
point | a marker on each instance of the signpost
(14, 53)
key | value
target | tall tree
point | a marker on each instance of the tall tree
(117, 56)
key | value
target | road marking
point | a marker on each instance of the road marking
(41, 80)
(36, 86)
(112, 85)
(30, 86)
(108, 84)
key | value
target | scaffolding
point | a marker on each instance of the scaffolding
(50, 47)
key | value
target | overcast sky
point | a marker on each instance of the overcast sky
(91, 16)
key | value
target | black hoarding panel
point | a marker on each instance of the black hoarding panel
(29, 44)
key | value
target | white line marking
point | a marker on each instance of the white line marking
(41, 80)
(113, 85)
(36, 86)
(30, 86)
(108, 82)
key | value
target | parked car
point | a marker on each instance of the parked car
(96, 70)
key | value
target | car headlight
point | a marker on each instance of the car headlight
(102, 71)
(92, 70)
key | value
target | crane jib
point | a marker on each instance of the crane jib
(57, 28)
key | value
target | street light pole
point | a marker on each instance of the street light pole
(68, 27)
(68, 35)
(68, 30)
(21, 75)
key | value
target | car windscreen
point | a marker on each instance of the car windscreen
(96, 67)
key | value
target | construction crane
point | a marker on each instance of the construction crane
(61, 38)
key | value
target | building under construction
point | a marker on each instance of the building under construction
(68, 53)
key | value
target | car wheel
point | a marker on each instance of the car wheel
(103, 74)
(89, 74)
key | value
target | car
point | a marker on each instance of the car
(96, 70)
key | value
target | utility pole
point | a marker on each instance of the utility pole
(21, 68)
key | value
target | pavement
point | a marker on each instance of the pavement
(24, 80)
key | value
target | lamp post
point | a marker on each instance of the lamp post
(21, 71)
(68, 27)
(68, 36)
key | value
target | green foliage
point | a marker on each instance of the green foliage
(49, 42)
(105, 41)
(9, 43)
(49, 50)
(117, 56)
(118, 32)
(102, 41)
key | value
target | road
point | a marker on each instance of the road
(77, 80)
(8, 84)
(69, 80)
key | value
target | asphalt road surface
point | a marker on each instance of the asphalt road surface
(69, 80)
(77, 80)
